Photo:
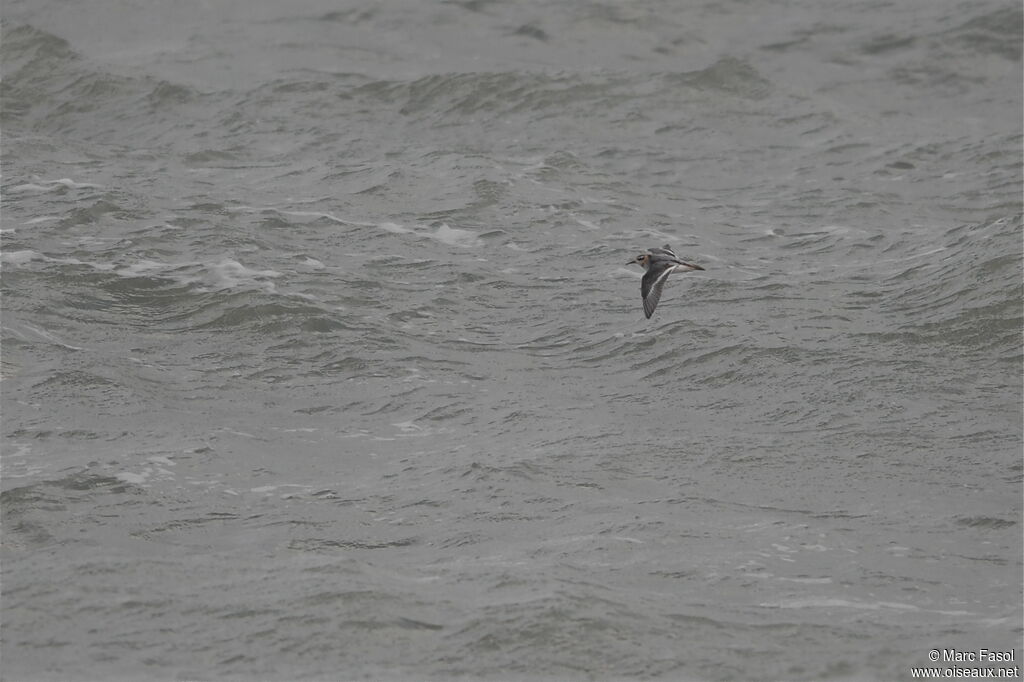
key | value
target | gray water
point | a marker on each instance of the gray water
(322, 360)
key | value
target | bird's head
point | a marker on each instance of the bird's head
(643, 260)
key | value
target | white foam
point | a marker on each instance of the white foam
(230, 274)
(145, 267)
(27, 187)
(28, 332)
(456, 237)
(271, 489)
(314, 214)
(50, 186)
(21, 257)
(806, 581)
(134, 479)
(297, 214)
(834, 602)
(226, 273)
(26, 256)
(623, 538)
(236, 433)
(586, 223)
(71, 184)
(19, 464)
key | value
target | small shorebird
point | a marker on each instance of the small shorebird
(659, 264)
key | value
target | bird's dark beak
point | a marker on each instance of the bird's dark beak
(631, 261)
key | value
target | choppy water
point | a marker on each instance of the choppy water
(321, 359)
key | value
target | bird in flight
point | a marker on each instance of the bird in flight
(659, 264)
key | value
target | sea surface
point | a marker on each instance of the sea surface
(322, 359)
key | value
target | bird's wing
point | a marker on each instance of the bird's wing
(665, 251)
(650, 288)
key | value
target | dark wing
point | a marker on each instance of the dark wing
(650, 288)
(665, 251)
